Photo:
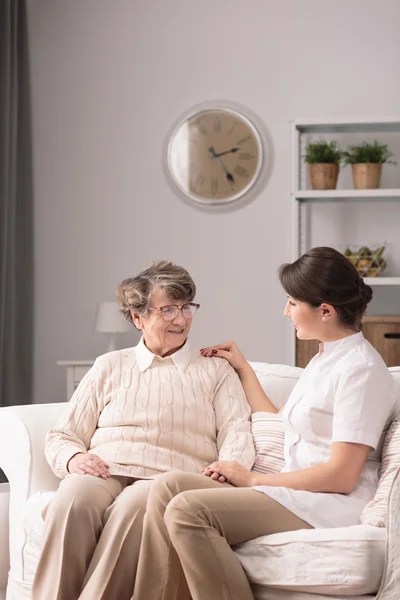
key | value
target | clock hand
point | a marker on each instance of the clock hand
(231, 151)
(229, 176)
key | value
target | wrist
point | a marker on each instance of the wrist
(242, 370)
(73, 456)
(258, 479)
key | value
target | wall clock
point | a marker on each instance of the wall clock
(215, 155)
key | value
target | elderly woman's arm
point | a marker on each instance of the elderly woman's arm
(73, 432)
(232, 412)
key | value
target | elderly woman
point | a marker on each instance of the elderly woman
(139, 412)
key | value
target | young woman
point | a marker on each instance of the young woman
(334, 420)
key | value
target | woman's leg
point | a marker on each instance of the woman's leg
(201, 524)
(73, 523)
(159, 574)
(112, 571)
(204, 525)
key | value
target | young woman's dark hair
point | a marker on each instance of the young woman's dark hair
(324, 275)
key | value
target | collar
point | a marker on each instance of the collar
(346, 342)
(181, 358)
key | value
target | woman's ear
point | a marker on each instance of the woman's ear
(137, 319)
(327, 311)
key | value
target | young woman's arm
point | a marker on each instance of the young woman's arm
(339, 475)
(256, 397)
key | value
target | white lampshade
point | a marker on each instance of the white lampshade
(109, 320)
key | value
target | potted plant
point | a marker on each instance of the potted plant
(323, 159)
(366, 161)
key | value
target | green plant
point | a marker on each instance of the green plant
(367, 153)
(323, 152)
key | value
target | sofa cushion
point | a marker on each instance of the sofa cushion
(346, 560)
(277, 381)
(375, 513)
(260, 592)
(342, 560)
(34, 529)
(269, 438)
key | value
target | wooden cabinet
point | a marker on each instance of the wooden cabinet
(383, 332)
(305, 350)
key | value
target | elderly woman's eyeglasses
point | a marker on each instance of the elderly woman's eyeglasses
(171, 311)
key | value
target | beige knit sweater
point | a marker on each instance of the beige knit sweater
(145, 415)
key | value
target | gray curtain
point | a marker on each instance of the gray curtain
(16, 208)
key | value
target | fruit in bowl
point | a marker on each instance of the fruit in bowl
(369, 262)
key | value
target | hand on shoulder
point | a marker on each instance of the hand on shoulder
(229, 351)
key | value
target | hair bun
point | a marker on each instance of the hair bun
(365, 291)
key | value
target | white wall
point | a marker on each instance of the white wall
(109, 79)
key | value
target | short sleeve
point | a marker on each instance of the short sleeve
(362, 405)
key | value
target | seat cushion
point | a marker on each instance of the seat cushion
(342, 560)
(346, 560)
(260, 592)
(34, 528)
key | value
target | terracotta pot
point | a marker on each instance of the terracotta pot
(323, 176)
(366, 176)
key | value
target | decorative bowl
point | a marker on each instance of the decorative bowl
(368, 260)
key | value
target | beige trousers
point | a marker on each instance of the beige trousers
(191, 522)
(93, 529)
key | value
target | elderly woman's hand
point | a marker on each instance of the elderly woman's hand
(88, 464)
(233, 472)
(230, 352)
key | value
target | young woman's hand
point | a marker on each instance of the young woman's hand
(214, 475)
(233, 472)
(229, 351)
(88, 464)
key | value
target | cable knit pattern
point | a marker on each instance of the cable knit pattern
(147, 420)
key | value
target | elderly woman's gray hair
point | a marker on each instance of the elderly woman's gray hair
(135, 293)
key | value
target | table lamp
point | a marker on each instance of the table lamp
(110, 321)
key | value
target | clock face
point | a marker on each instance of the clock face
(215, 156)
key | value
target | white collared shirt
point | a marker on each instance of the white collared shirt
(345, 394)
(180, 358)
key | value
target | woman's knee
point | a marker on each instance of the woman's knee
(183, 511)
(81, 494)
(165, 487)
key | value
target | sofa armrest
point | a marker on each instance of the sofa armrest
(22, 434)
(390, 585)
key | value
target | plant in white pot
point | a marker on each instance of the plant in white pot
(366, 161)
(324, 160)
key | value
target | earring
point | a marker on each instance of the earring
(324, 318)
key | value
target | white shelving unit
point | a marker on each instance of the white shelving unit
(303, 199)
(340, 195)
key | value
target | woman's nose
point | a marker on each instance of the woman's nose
(286, 311)
(180, 319)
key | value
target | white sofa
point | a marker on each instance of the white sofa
(344, 563)
(4, 553)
